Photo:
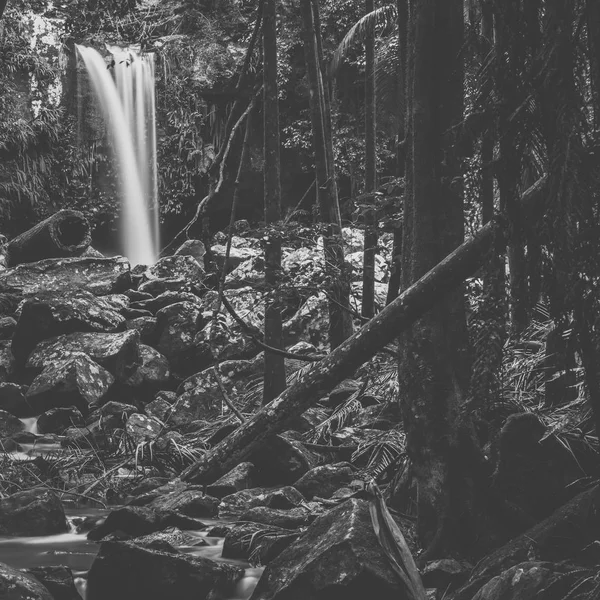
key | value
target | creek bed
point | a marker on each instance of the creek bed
(75, 551)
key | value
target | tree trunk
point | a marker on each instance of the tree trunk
(371, 238)
(274, 376)
(396, 265)
(65, 233)
(434, 358)
(344, 360)
(340, 322)
(593, 32)
(3, 4)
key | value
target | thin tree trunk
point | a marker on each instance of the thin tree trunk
(593, 32)
(340, 322)
(274, 376)
(371, 237)
(398, 316)
(3, 4)
(396, 267)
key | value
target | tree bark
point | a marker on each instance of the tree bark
(340, 322)
(371, 237)
(274, 376)
(65, 233)
(395, 267)
(3, 4)
(398, 316)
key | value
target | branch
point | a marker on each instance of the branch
(228, 401)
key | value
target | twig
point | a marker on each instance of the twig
(228, 401)
(105, 475)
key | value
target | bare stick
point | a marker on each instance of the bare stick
(228, 401)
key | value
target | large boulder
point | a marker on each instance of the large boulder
(183, 268)
(239, 502)
(128, 571)
(76, 381)
(152, 373)
(175, 331)
(49, 315)
(325, 480)
(292, 518)
(154, 304)
(238, 253)
(135, 521)
(100, 276)
(16, 585)
(7, 361)
(190, 501)
(32, 512)
(338, 556)
(57, 420)
(57, 580)
(141, 428)
(193, 248)
(239, 478)
(244, 540)
(12, 400)
(118, 353)
(9, 424)
(281, 460)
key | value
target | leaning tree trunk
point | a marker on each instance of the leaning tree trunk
(370, 238)
(398, 316)
(274, 376)
(65, 233)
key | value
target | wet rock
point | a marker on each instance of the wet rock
(136, 521)
(342, 392)
(57, 420)
(141, 428)
(16, 585)
(291, 518)
(146, 327)
(7, 327)
(9, 424)
(239, 478)
(176, 327)
(192, 502)
(263, 543)
(446, 574)
(152, 372)
(118, 353)
(283, 498)
(525, 581)
(57, 580)
(101, 276)
(119, 410)
(32, 512)
(250, 272)
(237, 254)
(99, 434)
(191, 407)
(167, 299)
(309, 323)
(184, 267)
(148, 485)
(75, 381)
(193, 248)
(282, 461)
(343, 537)
(49, 315)
(12, 400)
(7, 361)
(325, 480)
(158, 408)
(172, 536)
(127, 571)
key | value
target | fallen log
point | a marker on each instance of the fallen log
(396, 317)
(66, 233)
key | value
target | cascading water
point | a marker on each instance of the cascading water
(128, 104)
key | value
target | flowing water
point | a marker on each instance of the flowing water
(73, 550)
(128, 104)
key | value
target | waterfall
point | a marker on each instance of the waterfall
(128, 104)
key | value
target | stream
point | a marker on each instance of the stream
(73, 550)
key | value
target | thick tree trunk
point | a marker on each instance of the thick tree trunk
(397, 317)
(3, 4)
(274, 376)
(593, 32)
(65, 233)
(340, 322)
(371, 237)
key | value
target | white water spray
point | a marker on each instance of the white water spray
(129, 107)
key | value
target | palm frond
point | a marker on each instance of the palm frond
(380, 21)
